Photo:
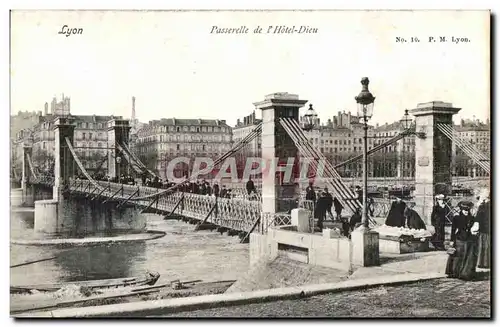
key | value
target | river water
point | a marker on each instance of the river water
(181, 254)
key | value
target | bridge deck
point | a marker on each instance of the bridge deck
(236, 214)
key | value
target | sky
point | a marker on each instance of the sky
(175, 67)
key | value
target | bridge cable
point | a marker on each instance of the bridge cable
(479, 158)
(405, 133)
(30, 164)
(80, 165)
(130, 161)
(451, 134)
(131, 158)
(299, 141)
(335, 182)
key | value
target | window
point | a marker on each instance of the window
(178, 129)
(178, 147)
(197, 129)
(90, 136)
(84, 134)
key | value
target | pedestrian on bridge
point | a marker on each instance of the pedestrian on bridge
(329, 202)
(320, 209)
(439, 215)
(338, 208)
(216, 189)
(310, 193)
(223, 192)
(250, 186)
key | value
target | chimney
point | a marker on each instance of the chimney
(132, 117)
(238, 122)
(46, 109)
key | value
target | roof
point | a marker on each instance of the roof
(472, 128)
(94, 118)
(188, 122)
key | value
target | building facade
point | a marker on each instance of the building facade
(90, 138)
(253, 148)
(341, 139)
(160, 141)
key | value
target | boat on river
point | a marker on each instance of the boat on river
(149, 278)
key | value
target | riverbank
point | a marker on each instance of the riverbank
(394, 269)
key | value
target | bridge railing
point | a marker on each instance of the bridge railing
(239, 214)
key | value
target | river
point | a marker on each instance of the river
(181, 254)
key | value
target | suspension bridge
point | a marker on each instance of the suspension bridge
(240, 215)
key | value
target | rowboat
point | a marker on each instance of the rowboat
(173, 289)
(149, 278)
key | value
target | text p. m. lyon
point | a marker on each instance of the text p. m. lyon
(282, 29)
(68, 31)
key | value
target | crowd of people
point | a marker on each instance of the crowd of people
(201, 187)
(470, 234)
(470, 245)
(324, 202)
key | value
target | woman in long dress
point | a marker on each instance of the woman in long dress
(462, 264)
(413, 219)
(483, 220)
(396, 217)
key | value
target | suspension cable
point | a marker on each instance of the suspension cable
(80, 165)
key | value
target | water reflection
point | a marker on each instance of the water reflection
(99, 262)
(182, 254)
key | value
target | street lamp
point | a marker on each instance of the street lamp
(310, 118)
(365, 101)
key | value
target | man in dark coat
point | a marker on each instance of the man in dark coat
(250, 186)
(320, 210)
(223, 192)
(328, 202)
(438, 219)
(355, 219)
(338, 208)
(396, 217)
(216, 189)
(310, 193)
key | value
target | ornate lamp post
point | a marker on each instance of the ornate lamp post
(309, 118)
(365, 101)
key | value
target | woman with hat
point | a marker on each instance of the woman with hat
(483, 226)
(438, 219)
(463, 252)
(396, 216)
(413, 220)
